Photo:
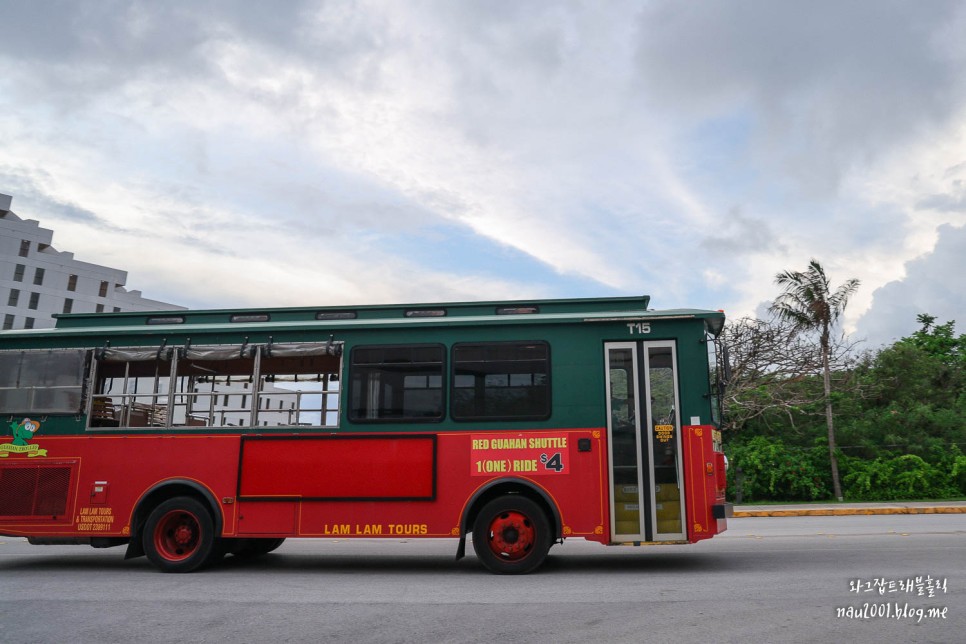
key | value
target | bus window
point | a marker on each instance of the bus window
(41, 381)
(131, 387)
(501, 381)
(211, 386)
(389, 383)
(300, 385)
(273, 385)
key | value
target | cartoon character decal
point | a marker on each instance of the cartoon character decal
(23, 432)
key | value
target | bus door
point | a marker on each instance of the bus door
(644, 442)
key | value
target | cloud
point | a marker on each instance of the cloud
(932, 284)
(487, 149)
(949, 187)
(743, 235)
(829, 84)
(29, 185)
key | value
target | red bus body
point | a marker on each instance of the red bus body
(100, 487)
(368, 485)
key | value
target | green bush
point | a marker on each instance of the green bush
(773, 471)
(902, 477)
(770, 471)
(957, 474)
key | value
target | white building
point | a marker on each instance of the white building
(38, 281)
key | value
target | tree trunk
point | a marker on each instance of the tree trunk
(827, 377)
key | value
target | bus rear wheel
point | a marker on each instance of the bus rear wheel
(179, 535)
(512, 535)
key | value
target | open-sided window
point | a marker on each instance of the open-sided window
(131, 387)
(395, 383)
(501, 381)
(271, 385)
(298, 385)
(211, 383)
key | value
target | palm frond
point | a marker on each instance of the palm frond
(807, 300)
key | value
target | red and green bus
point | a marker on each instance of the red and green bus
(189, 435)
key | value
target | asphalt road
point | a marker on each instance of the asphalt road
(765, 580)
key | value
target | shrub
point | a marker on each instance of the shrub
(770, 471)
(902, 477)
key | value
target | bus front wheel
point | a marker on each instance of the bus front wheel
(179, 535)
(512, 535)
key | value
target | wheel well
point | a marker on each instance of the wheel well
(158, 495)
(502, 488)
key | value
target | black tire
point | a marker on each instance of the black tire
(179, 535)
(251, 548)
(511, 535)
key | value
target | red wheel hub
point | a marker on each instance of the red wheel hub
(177, 535)
(512, 535)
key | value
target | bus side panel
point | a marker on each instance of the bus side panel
(567, 466)
(284, 480)
(702, 491)
(467, 463)
(351, 467)
(112, 473)
(37, 491)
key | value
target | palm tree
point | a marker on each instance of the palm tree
(807, 301)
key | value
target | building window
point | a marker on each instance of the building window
(34, 301)
(7, 322)
(28, 323)
(72, 283)
(68, 305)
(103, 291)
(99, 308)
(24, 248)
(117, 309)
(39, 277)
(18, 272)
(14, 297)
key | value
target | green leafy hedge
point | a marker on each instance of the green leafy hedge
(769, 470)
(902, 477)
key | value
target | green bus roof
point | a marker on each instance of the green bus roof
(498, 312)
(366, 312)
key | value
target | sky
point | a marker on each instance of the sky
(315, 153)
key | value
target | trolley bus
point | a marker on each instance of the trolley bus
(190, 435)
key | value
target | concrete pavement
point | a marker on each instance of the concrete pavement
(835, 509)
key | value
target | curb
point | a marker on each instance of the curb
(829, 512)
